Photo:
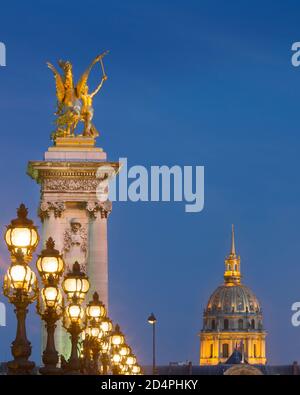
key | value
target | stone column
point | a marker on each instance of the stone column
(50, 214)
(70, 175)
(97, 267)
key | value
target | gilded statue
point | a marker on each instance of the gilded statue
(75, 103)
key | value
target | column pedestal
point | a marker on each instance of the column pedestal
(71, 213)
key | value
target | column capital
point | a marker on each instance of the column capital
(104, 208)
(47, 207)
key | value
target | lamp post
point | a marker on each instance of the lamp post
(124, 351)
(50, 266)
(20, 287)
(90, 349)
(74, 316)
(95, 311)
(106, 327)
(117, 339)
(152, 321)
(75, 285)
(20, 284)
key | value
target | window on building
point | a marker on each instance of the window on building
(211, 351)
(225, 350)
(241, 324)
(213, 324)
(254, 350)
(252, 324)
(226, 324)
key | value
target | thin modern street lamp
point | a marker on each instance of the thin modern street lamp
(152, 321)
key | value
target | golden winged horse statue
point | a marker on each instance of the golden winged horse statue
(75, 103)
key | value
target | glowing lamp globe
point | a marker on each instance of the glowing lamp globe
(136, 369)
(93, 331)
(74, 312)
(131, 360)
(76, 284)
(124, 350)
(116, 358)
(152, 319)
(95, 309)
(117, 337)
(51, 296)
(22, 234)
(106, 325)
(50, 262)
(20, 277)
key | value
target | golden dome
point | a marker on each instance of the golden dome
(236, 298)
(233, 296)
(232, 319)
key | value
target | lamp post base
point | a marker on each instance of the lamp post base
(47, 371)
(72, 373)
(21, 347)
(20, 367)
(73, 365)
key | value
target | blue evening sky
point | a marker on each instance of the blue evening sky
(190, 83)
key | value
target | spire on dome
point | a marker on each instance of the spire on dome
(232, 240)
(232, 273)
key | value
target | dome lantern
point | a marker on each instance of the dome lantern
(232, 274)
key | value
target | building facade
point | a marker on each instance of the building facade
(232, 320)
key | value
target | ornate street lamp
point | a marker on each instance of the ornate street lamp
(50, 311)
(20, 287)
(22, 234)
(74, 324)
(117, 339)
(76, 284)
(116, 360)
(86, 359)
(91, 347)
(95, 311)
(50, 265)
(106, 327)
(50, 262)
(124, 351)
